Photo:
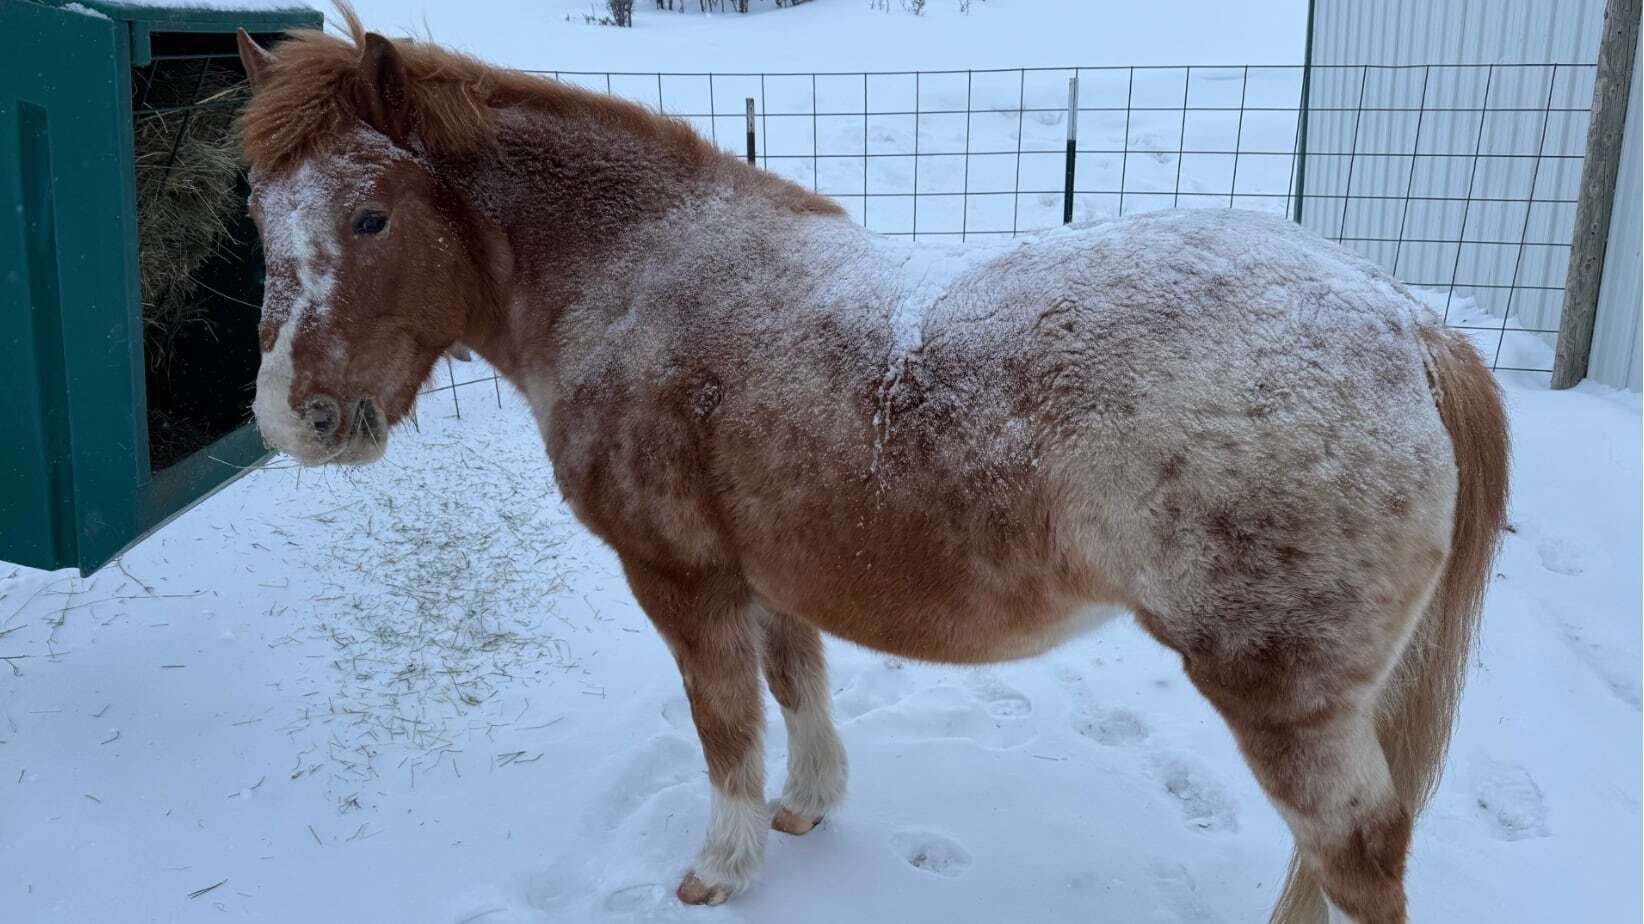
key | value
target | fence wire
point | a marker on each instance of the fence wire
(1459, 179)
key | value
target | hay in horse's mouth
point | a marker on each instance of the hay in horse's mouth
(367, 436)
(367, 421)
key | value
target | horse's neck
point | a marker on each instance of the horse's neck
(591, 214)
(566, 188)
(562, 194)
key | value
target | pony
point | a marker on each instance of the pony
(1248, 437)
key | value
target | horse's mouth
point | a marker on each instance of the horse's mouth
(367, 436)
(360, 440)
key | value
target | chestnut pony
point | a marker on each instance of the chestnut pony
(1244, 435)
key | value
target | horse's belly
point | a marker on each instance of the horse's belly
(957, 624)
(1080, 622)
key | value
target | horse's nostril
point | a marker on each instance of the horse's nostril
(322, 415)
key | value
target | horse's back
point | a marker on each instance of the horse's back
(1249, 408)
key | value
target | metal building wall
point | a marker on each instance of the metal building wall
(1616, 352)
(1412, 135)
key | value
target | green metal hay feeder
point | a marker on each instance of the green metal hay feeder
(130, 274)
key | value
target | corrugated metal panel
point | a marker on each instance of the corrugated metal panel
(1616, 352)
(1456, 31)
(1425, 157)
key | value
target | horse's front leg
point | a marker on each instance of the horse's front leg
(714, 635)
(797, 672)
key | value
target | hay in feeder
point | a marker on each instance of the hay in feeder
(188, 172)
(190, 199)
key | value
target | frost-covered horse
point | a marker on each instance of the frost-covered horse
(783, 425)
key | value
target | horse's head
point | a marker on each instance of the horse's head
(374, 267)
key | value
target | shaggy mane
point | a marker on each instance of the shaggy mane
(310, 95)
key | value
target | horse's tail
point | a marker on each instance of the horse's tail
(1418, 705)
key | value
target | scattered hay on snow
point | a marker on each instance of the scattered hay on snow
(440, 597)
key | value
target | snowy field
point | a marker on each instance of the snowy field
(851, 35)
(419, 692)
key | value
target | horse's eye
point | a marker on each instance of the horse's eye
(370, 222)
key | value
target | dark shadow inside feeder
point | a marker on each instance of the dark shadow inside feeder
(199, 258)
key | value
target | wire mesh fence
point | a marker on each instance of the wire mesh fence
(1459, 179)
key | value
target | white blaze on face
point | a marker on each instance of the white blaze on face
(280, 426)
(301, 250)
(300, 233)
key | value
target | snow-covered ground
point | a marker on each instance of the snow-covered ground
(419, 692)
(852, 35)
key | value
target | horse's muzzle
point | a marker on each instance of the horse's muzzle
(320, 430)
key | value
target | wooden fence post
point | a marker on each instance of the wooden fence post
(752, 159)
(1596, 196)
(1072, 147)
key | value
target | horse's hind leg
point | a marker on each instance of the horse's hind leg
(798, 675)
(714, 633)
(1313, 746)
(1331, 784)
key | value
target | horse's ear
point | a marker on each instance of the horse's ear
(459, 353)
(254, 58)
(385, 103)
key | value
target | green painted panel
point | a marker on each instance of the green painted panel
(76, 485)
(74, 188)
(36, 488)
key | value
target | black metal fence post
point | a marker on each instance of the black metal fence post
(751, 153)
(1072, 147)
(1300, 155)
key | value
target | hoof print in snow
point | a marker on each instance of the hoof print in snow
(1002, 702)
(642, 897)
(660, 764)
(1562, 556)
(677, 713)
(932, 853)
(1508, 801)
(869, 691)
(1204, 804)
(1179, 892)
(1112, 727)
